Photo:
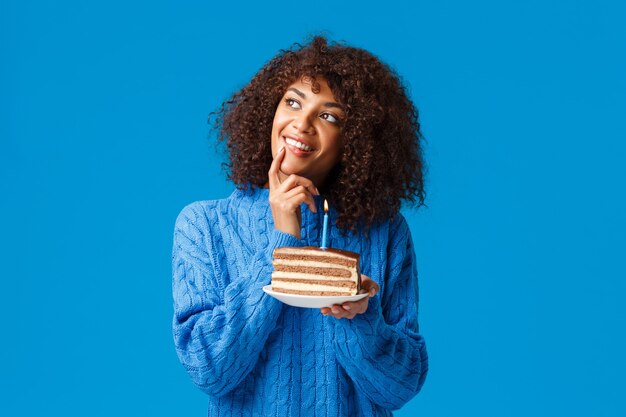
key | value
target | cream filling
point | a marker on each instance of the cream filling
(311, 252)
(302, 275)
(316, 264)
(312, 287)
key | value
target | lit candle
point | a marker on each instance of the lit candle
(325, 230)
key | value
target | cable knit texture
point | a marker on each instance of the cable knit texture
(255, 356)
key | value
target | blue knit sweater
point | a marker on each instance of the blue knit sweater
(255, 356)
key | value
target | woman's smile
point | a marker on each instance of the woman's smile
(299, 147)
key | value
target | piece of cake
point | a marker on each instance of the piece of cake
(310, 270)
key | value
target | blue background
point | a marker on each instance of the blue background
(521, 250)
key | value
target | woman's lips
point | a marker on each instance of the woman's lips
(295, 150)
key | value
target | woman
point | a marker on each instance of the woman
(317, 120)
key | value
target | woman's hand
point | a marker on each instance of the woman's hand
(349, 310)
(286, 197)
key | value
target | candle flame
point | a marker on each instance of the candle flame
(325, 206)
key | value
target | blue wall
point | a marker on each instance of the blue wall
(104, 139)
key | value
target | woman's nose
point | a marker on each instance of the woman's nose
(303, 123)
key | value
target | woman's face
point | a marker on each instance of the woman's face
(308, 125)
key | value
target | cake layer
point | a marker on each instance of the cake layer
(297, 286)
(312, 289)
(303, 276)
(326, 283)
(308, 258)
(328, 256)
(314, 270)
(316, 293)
(315, 251)
(311, 263)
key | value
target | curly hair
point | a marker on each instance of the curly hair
(381, 161)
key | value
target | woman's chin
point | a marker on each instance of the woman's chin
(290, 169)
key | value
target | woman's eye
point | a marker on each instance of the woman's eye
(292, 103)
(330, 118)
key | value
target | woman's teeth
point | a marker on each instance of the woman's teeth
(298, 145)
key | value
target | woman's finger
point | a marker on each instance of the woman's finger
(273, 177)
(338, 312)
(346, 310)
(302, 191)
(356, 307)
(369, 285)
(296, 180)
(335, 311)
(292, 205)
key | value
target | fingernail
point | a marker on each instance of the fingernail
(335, 310)
(282, 148)
(347, 307)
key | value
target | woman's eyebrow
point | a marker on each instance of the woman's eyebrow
(303, 96)
(298, 92)
(333, 104)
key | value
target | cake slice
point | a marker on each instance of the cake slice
(310, 270)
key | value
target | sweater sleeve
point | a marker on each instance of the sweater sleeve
(219, 330)
(381, 349)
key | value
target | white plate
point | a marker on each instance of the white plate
(311, 301)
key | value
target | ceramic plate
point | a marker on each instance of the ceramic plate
(311, 301)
